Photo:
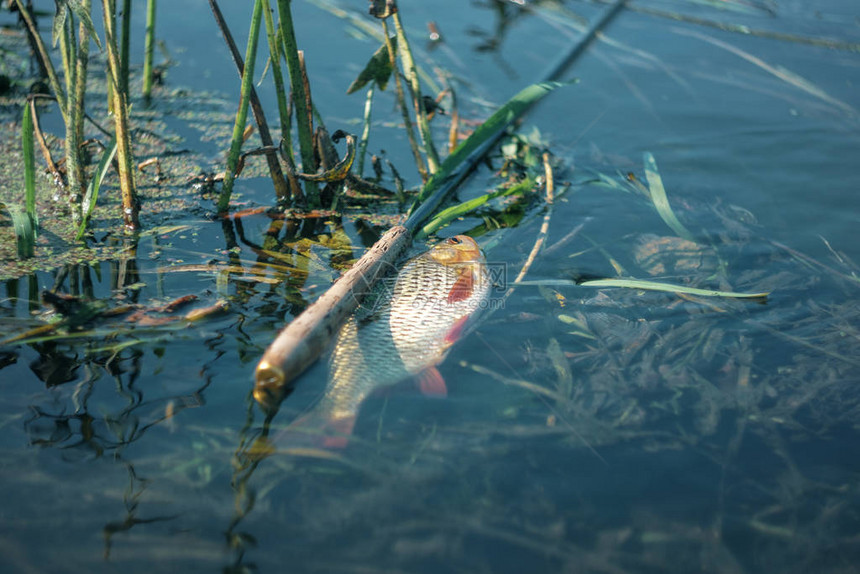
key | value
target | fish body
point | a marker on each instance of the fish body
(403, 329)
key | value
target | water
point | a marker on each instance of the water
(585, 430)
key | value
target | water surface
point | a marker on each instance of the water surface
(584, 430)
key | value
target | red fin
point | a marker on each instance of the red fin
(456, 330)
(431, 383)
(463, 286)
(342, 429)
(315, 431)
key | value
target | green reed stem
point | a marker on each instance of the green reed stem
(365, 132)
(305, 131)
(73, 117)
(411, 72)
(404, 110)
(448, 215)
(124, 152)
(277, 74)
(125, 41)
(29, 153)
(242, 113)
(282, 191)
(83, 55)
(148, 49)
(273, 37)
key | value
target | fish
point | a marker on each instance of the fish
(403, 329)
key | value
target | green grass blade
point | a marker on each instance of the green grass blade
(649, 286)
(148, 49)
(25, 232)
(92, 194)
(463, 159)
(242, 114)
(446, 216)
(659, 199)
(487, 133)
(670, 288)
(29, 165)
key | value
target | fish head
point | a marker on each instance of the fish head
(457, 250)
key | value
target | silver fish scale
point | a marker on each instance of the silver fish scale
(400, 331)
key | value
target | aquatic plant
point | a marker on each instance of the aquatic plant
(119, 93)
(148, 48)
(73, 30)
(74, 44)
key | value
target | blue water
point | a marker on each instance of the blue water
(584, 430)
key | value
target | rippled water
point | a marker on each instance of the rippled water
(584, 430)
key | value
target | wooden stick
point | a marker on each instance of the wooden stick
(301, 341)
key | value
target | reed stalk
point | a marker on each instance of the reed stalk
(148, 49)
(404, 110)
(125, 41)
(29, 155)
(410, 70)
(303, 125)
(268, 149)
(25, 222)
(80, 87)
(124, 152)
(275, 51)
(365, 132)
(278, 75)
(75, 66)
(242, 113)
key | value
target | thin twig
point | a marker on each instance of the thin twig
(40, 137)
(544, 228)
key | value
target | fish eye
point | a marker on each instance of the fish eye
(454, 240)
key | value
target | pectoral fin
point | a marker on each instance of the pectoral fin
(463, 286)
(341, 430)
(456, 331)
(431, 383)
(316, 431)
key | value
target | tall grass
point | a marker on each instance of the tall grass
(73, 31)
(25, 222)
(242, 114)
(148, 49)
(124, 152)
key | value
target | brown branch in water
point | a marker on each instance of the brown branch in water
(454, 131)
(303, 340)
(40, 137)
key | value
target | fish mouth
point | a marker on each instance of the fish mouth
(457, 249)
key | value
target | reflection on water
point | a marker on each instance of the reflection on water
(585, 430)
